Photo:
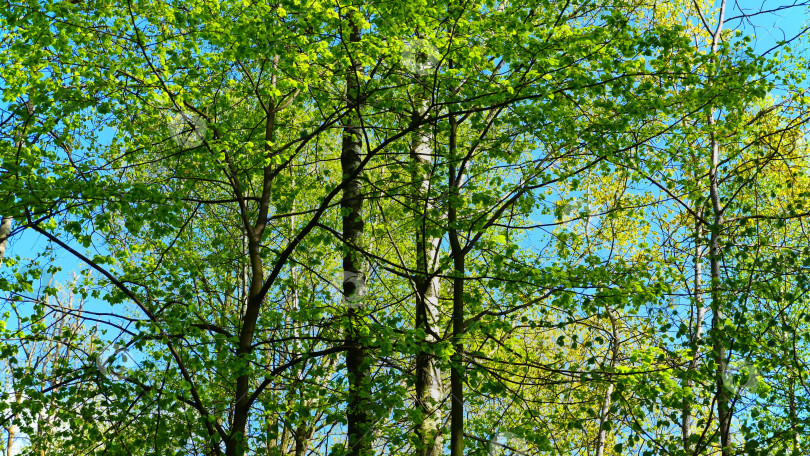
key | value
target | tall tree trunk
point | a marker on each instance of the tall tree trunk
(718, 348)
(724, 412)
(605, 410)
(357, 415)
(12, 434)
(795, 440)
(428, 376)
(6, 221)
(457, 372)
(271, 433)
(686, 416)
(236, 444)
(303, 435)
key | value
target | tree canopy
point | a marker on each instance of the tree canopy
(378, 228)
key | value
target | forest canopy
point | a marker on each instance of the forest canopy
(517, 227)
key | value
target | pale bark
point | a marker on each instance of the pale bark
(357, 414)
(795, 441)
(6, 221)
(718, 353)
(605, 409)
(724, 413)
(12, 434)
(686, 415)
(5, 231)
(429, 389)
(271, 433)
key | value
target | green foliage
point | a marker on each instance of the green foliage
(187, 158)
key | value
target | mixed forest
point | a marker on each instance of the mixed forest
(462, 227)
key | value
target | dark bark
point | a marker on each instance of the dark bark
(235, 444)
(459, 256)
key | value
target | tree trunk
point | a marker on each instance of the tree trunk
(236, 442)
(12, 434)
(428, 377)
(795, 441)
(724, 413)
(457, 372)
(303, 434)
(271, 433)
(5, 231)
(357, 369)
(686, 416)
(605, 410)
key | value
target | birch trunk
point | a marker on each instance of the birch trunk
(724, 414)
(5, 231)
(357, 369)
(686, 416)
(428, 377)
(605, 410)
